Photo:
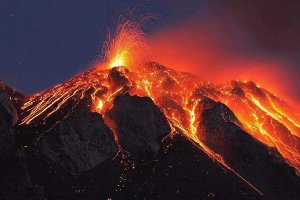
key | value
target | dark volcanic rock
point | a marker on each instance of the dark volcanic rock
(15, 97)
(217, 128)
(7, 104)
(139, 123)
(15, 182)
(80, 142)
(181, 171)
(7, 118)
(118, 76)
(178, 171)
(265, 168)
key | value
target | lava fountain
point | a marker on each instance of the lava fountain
(127, 46)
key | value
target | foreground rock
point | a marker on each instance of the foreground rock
(80, 142)
(7, 105)
(265, 168)
(139, 123)
(15, 182)
(180, 171)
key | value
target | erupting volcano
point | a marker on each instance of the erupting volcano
(249, 134)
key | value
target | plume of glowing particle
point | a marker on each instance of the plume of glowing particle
(127, 47)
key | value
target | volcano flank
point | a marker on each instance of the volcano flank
(148, 132)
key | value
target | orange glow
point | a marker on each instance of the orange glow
(100, 105)
(215, 52)
(127, 47)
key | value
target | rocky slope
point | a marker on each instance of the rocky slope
(253, 160)
(57, 145)
(15, 182)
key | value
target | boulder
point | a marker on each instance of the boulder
(15, 180)
(80, 142)
(219, 129)
(139, 123)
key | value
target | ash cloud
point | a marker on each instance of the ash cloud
(248, 40)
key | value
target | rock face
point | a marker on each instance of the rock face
(7, 116)
(7, 104)
(218, 129)
(15, 182)
(139, 123)
(80, 142)
(118, 76)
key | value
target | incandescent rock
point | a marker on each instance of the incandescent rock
(139, 123)
(80, 142)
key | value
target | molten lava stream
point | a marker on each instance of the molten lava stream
(270, 109)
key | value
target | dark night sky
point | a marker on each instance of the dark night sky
(46, 42)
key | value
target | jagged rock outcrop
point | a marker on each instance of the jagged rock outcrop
(15, 182)
(217, 127)
(80, 142)
(7, 142)
(6, 103)
(117, 76)
(220, 130)
(139, 123)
